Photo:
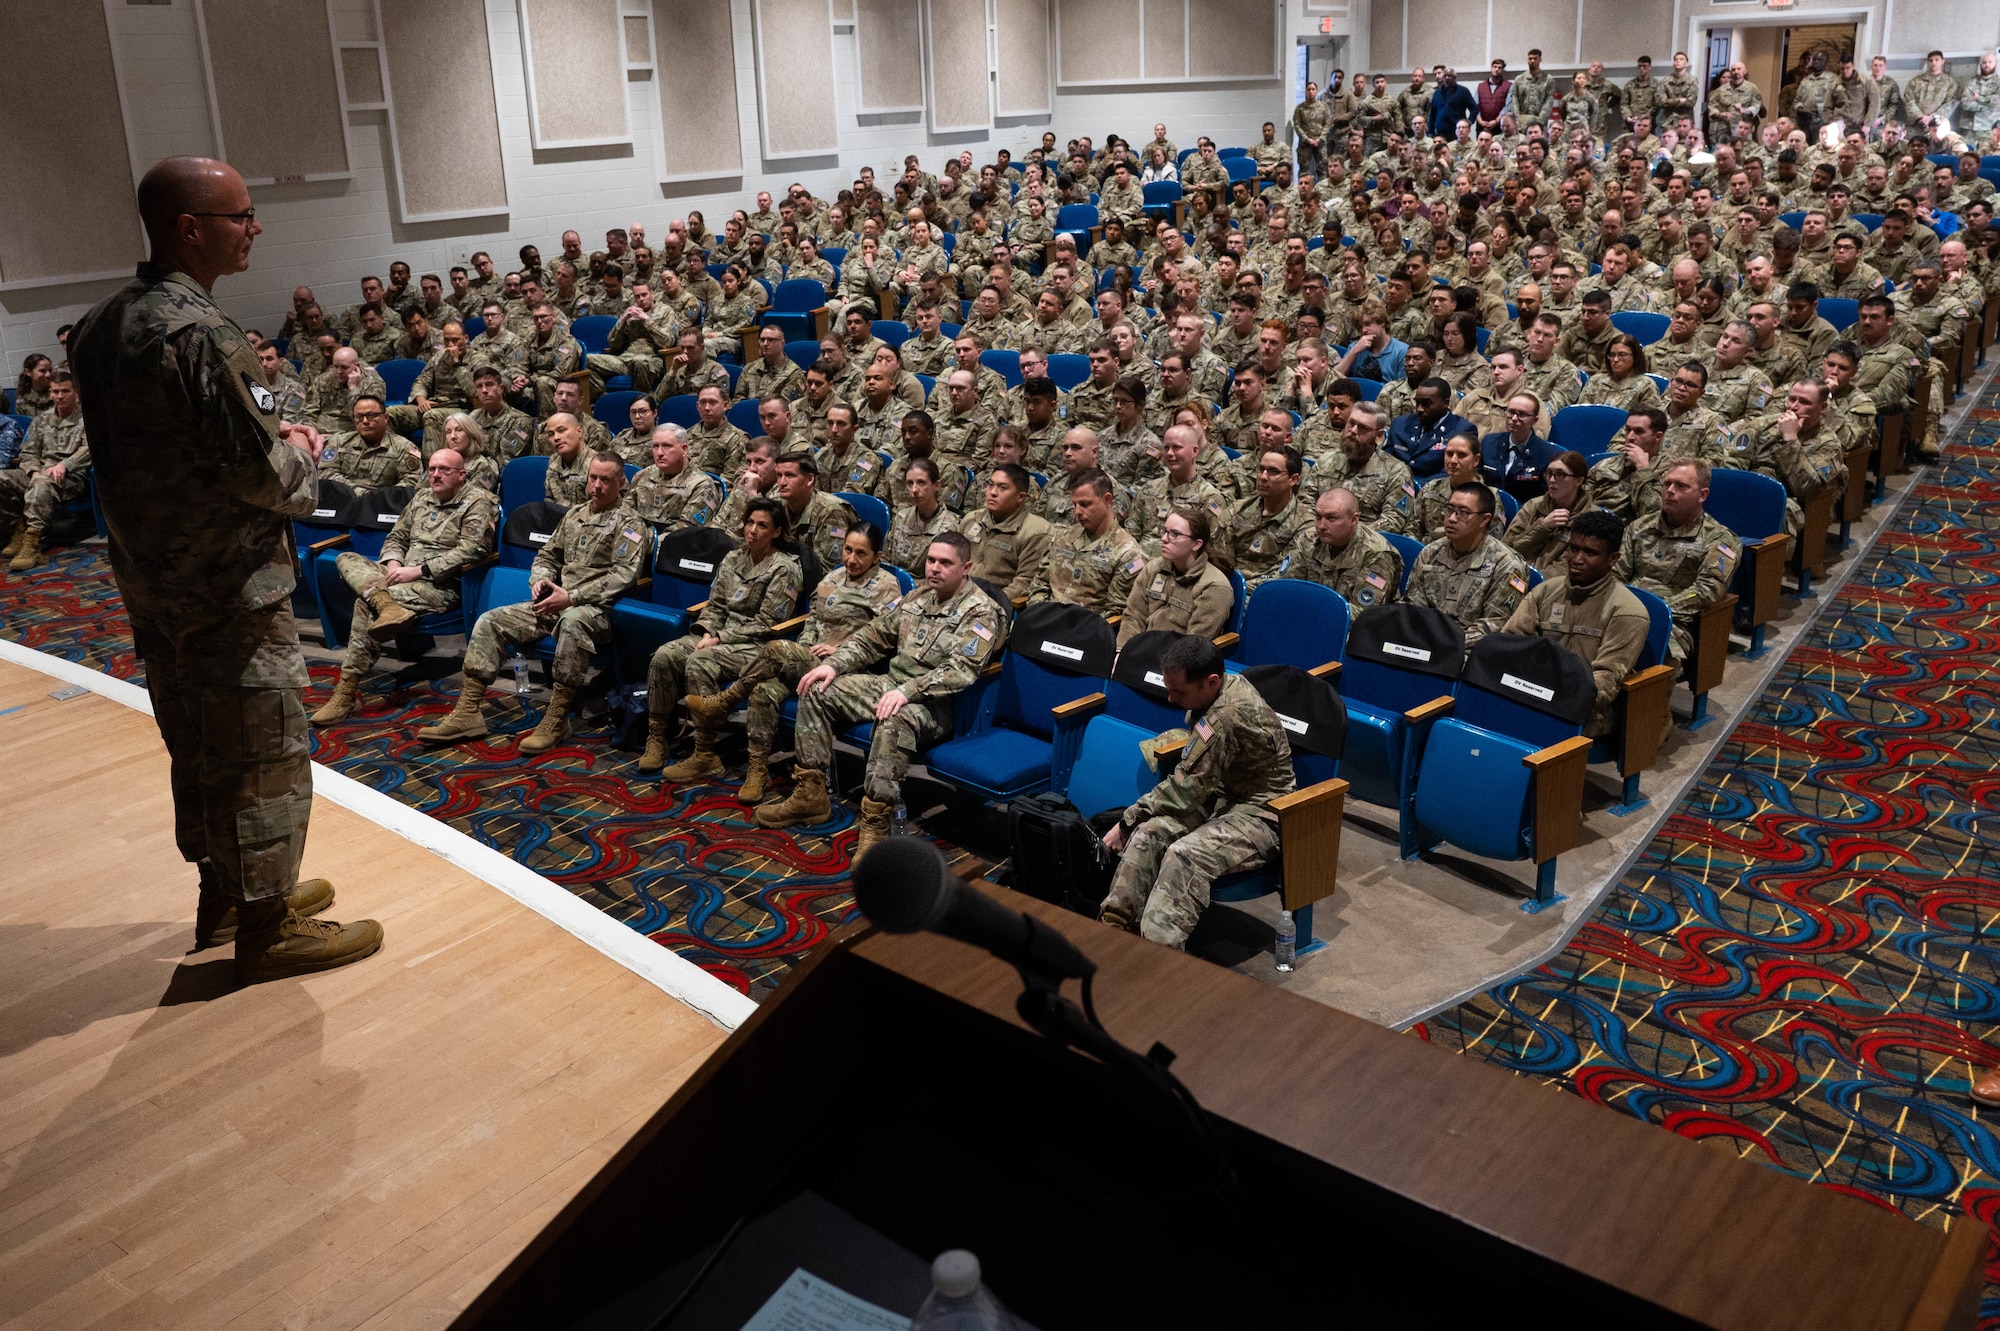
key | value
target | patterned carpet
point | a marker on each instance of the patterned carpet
(1806, 961)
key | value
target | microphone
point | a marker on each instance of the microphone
(905, 885)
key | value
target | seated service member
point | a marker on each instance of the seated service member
(1678, 552)
(852, 596)
(754, 590)
(1180, 589)
(1586, 610)
(596, 554)
(1092, 561)
(934, 644)
(52, 467)
(446, 528)
(672, 493)
(1009, 540)
(1466, 572)
(1342, 552)
(1212, 816)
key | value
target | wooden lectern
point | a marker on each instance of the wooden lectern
(888, 1104)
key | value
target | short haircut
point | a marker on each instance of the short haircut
(1093, 479)
(1703, 473)
(1482, 495)
(1599, 524)
(803, 461)
(960, 546)
(1016, 475)
(1653, 416)
(926, 465)
(1192, 657)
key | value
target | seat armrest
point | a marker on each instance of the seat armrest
(1647, 694)
(1078, 710)
(1020, 602)
(331, 543)
(1765, 583)
(693, 611)
(785, 628)
(1228, 641)
(1430, 711)
(1329, 672)
(1309, 823)
(1711, 643)
(1558, 795)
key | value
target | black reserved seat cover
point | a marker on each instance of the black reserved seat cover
(1065, 637)
(1308, 708)
(693, 553)
(1408, 637)
(379, 508)
(531, 525)
(1139, 664)
(1535, 673)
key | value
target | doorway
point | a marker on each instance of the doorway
(1835, 40)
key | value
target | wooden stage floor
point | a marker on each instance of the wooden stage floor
(361, 1148)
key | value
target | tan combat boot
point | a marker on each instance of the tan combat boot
(655, 756)
(806, 804)
(554, 727)
(275, 944)
(757, 779)
(346, 695)
(14, 542)
(872, 825)
(29, 553)
(466, 721)
(703, 762)
(715, 708)
(215, 915)
(390, 618)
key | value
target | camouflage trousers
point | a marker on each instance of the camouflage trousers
(643, 365)
(33, 498)
(682, 666)
(226, 698)
(579, 631)
(406, 420)
(1167, 867)
(366, 577)
(773, 677)
(851, 698)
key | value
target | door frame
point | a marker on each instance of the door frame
(1701, 24)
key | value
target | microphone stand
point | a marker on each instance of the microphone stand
(1042, 1006)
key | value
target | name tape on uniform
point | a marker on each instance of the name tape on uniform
(1066, 653)
(1529, 687)
(1413, 653)
(696, 566)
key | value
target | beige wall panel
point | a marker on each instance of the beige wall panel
(1165, 39)
(1521, 24)
(701, 134)
(638, 40)
(1918, 26)
(1618, 32)
(574, 53)
(1021, 30)
(1453, 32)
(260, 52)
(361, 68)
(795, 77)
(1385, 39)
(1230, 39)
(844, 11)
(1096, 43)
(958, 85)
(889, 35)
(444, 121)
(58, 60)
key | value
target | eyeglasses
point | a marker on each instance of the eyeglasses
(1514, 415)
(1460, 511)
(246, 217)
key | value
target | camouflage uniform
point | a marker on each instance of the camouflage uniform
(1687, 567)
(330, 402)
(637, 347)
(509, 433)
(1805, 466)
(1091, 571)
(1885, 373)
(1369, 571)
(1607, 628)
(199, 493)
(1007, 551)
(910, 534)
(745, 603)
(547, 362)
(27, 496)
(1261, 543)
(668, 503)
(1155, 501)
(1199, 601)
(718, 448)
(840, 608)
(1130, 457)
(678, 380)
(759, 381)
(349, 457)
(821, 526)
(440, 538)
(594, 557)
(449, 388)
(1211, 817)
(1088, 404)
(1376, 484)
(567, 483)
(1479, 589)
(934, 649)
(1543, 546)
(964, 439)
(1740, 391)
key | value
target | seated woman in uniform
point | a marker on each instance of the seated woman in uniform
(1539, 533)
(1623, 382)
(845, 601)
(1459, 362)
(1421, 515)
(1180, 588)
(463, 436)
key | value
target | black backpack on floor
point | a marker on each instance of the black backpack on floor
(1057, 855)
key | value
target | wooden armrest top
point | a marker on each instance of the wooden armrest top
(792, 625)
(992, 670)
(1641, 678)
(1576, 745)
(1431, 710)
(1311, 797)
(1227, 640)
(330, 542)
(695, 609)
(1087, 705)
(1777, 540)
(1174, 750)
(1327, 671)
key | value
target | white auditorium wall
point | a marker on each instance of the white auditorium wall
(327, 234)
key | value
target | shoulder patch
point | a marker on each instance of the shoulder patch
(259, 394)
(1519, 585)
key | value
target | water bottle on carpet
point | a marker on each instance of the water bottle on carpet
(1285, 951)
(520, 675)
(958, 1302)
(899, 820)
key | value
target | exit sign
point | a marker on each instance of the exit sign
(1326, 25)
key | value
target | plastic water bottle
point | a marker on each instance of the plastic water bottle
(958, 1302)
(899, 820)
(520, 675)
(1285, 952)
